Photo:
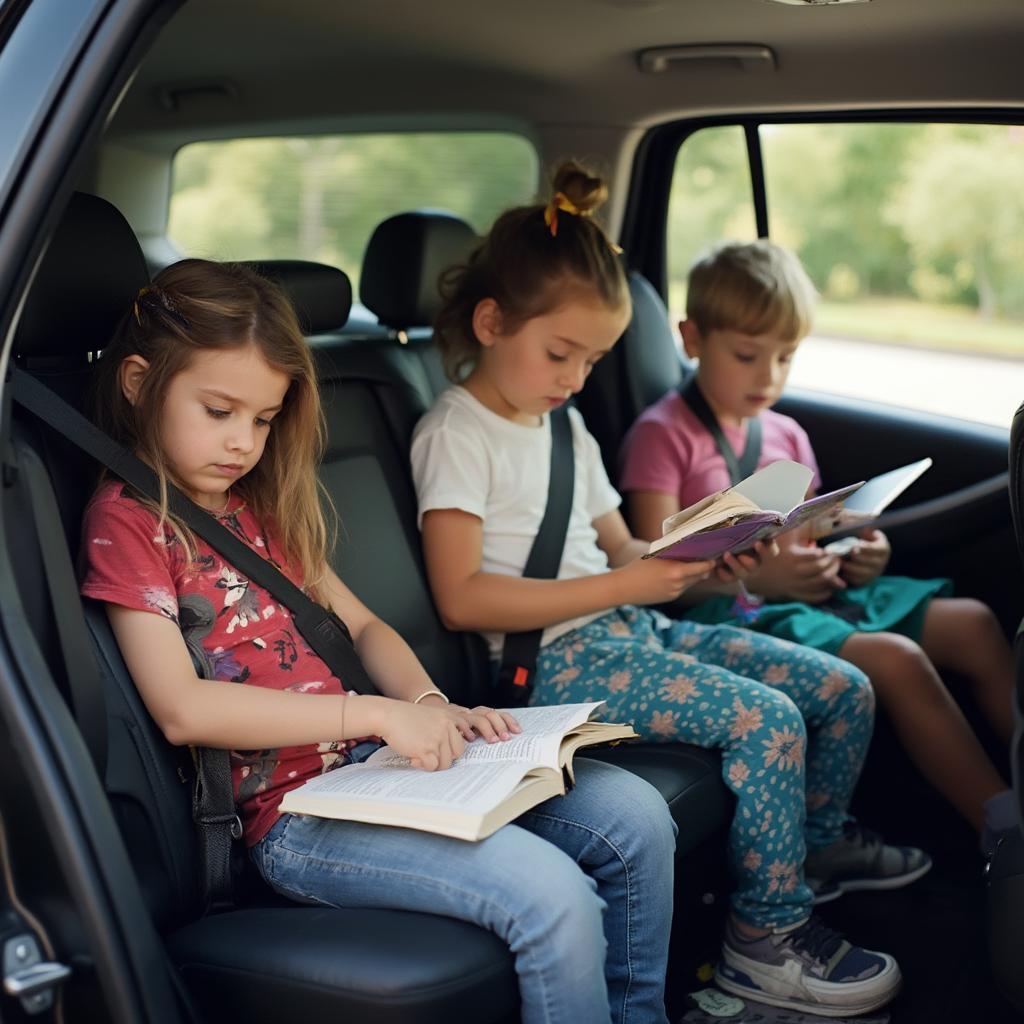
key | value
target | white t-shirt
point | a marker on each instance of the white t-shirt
(464, 456)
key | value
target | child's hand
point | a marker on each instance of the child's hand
(658, 580)
(485, 722)
(868, 559)
(429, 736)
(740, 567)
(801, 572)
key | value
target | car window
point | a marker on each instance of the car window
(912, 234)
(319, 198)
(711, 199)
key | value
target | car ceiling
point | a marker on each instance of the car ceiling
(228, 66)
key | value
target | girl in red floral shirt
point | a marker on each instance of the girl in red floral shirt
(209, 381)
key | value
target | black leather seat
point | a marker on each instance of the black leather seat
(273, 960)
(270, 960)
(643, 365)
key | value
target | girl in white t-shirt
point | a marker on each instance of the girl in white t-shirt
(524, 321)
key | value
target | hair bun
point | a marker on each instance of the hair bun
(585, 191)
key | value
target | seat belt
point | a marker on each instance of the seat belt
(213, 799)
(739, 469)
(519, 655)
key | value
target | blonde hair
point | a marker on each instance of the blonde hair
(195, 306)
(753, 287)
(524, 262)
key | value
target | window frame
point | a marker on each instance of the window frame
(645, 223)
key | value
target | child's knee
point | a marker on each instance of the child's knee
(781, 713)
(977, 621)
(634, 816)
(851, 689)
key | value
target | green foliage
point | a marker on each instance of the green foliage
(933, 212)
(320, 198)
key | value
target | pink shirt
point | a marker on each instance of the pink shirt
(669, 450)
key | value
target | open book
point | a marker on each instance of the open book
(767, 503)
(487, 787)
(872, 500)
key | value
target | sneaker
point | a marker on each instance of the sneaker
(806, 967)
(860, 860)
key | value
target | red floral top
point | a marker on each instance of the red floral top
(234, 630)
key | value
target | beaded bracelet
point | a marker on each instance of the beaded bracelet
(432, 693)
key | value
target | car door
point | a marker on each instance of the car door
(76, 941)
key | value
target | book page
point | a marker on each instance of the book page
(779, 487)
(468, 787)
(538, 743)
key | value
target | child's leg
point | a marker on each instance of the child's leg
(963, 635)
(836, 702)
(618, 829)
(834, 699)
(930, 725)
(669, 695)
(519, 884)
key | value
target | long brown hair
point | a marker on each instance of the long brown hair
(525, 262)
(195, 306)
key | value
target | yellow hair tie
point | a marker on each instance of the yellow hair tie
(559, 201)
(135, 305)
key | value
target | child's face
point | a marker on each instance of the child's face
(527, 372)
(216, 418)
(740, 374)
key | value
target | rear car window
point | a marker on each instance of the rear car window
(913, 234)
(319, 198)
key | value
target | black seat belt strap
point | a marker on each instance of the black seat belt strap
(739, 469)
(519, 655)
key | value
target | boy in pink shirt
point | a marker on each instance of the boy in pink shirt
(748, 308)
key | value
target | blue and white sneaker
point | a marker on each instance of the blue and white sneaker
(860, 860)
(806, 967)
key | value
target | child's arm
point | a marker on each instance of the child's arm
(649, 509)
(394, 668)
(468, 598)
(202, 712)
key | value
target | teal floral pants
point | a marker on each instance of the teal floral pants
(793, 725)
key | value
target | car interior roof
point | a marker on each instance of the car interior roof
(223, 67)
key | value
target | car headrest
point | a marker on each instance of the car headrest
(404, 259)
(648, 345)
(321, 295)
(90, 274)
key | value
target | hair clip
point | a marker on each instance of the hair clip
(153, 293)
(171, 310)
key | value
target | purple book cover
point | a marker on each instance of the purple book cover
(713, 543)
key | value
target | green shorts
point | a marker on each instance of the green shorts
(894, 604)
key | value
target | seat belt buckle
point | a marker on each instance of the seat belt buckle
(514, 685)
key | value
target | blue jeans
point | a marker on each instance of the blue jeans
(580, 888)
